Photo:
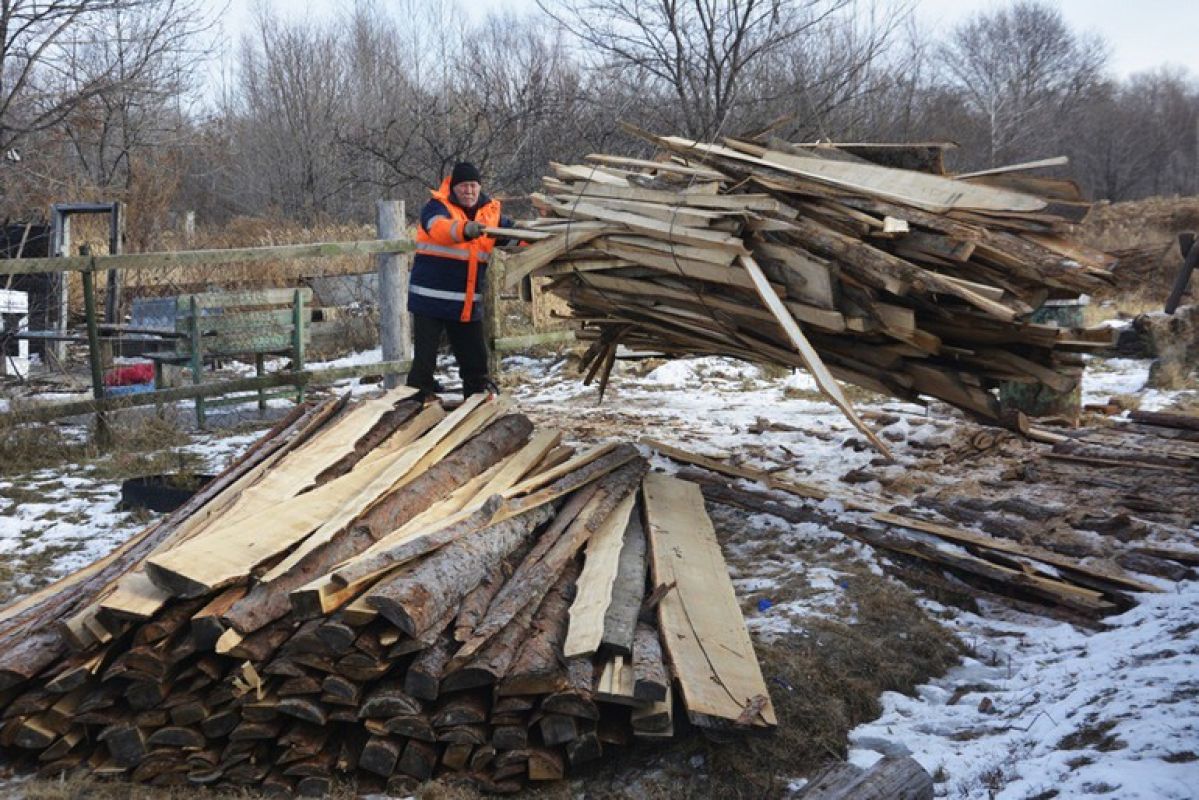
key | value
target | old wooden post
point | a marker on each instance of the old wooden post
(196, 344)
(112, 297)
(103, 433)
(493, 322)
(1190, 258)
(395, 325)
(297, 340)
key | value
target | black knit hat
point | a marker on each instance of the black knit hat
(464, 172)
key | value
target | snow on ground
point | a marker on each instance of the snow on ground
(1043, 707)
(1038, 708)
(1125, 376)
(1114, 376)
(54, 522)
(1080, 713)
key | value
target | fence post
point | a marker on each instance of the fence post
(103, 434)
(493, 318)
(112, 297)
(395, 325)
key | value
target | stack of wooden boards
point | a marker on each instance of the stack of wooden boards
(902, 281)
(392, 592)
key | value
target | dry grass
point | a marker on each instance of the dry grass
(1127, 305)
(829, 679)
(141, 444)
(92, 789)
(1144, 235)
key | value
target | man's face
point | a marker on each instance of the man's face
(467, 193)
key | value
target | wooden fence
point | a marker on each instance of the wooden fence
(89, 265)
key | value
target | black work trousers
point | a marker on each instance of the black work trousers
(466, 341)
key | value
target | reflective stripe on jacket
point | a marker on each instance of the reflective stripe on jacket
(448, 271)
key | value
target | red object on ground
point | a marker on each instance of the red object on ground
(128, 376)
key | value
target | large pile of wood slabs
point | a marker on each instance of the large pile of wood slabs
(898, 279)
(387, 591)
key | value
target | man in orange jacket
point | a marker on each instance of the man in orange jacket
(445, 291)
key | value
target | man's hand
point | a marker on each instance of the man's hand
(472, 230)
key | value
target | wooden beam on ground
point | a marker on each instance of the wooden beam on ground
(594, 592)
(700, 620)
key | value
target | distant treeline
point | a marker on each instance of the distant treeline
(114, 99)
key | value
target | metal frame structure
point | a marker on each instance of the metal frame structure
(60, 245)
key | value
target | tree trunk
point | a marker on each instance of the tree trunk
(537, 667)
(649, 670)
(889, 779)
(269, 601)
(531, 581)
(413, 600)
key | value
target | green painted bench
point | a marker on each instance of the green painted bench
(217, 325)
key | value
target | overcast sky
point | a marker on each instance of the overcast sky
(1142, 34)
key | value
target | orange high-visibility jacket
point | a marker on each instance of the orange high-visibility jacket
(448, 271)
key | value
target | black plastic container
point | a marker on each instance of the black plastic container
(160, 492)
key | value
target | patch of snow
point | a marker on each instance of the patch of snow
(1045, 706)
(1102, 379)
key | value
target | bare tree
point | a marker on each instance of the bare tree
(37, 41)
(1137, 138)
(498, 93)
(156, 53)
(698, 53)
(289, 106)
(1017, 67)
(842, 78)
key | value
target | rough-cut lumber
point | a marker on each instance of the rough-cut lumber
(381, 754)
(282, 704)
(628, 590)
(811, 358)
(494, 661)
(616, 681)
(418, 760)
(576, 696)
(529, 585)
(655, 720)
(423, 678)
(890, 778)
(855, 256)
(1165, 419)
(228, 553)
(710, 651)
(270, 600)
(1019, 578)
(650, 681)
(378, 561)
(536, 668)
(26, 622)
(590, 607)
(414, 599)
(545, 764)
(540, 488)
(558, 728)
